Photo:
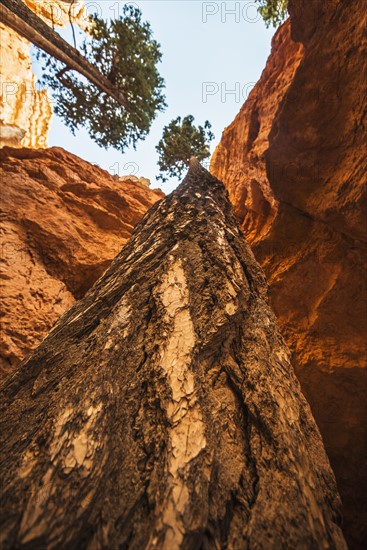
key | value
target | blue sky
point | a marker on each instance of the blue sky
(213, 53)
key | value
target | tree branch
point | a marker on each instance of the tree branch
(16, 15)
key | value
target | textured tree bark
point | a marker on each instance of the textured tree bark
(15, 14)
(162, 410)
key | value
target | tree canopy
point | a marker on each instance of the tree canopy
(125, 52)
(273, 12)
(180, 141)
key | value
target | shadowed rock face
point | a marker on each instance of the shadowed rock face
(63, 221)
(162, 410)
(299, 191)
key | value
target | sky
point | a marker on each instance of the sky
(213, 54)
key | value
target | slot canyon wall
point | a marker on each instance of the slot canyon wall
(293, 161)
(63, 221)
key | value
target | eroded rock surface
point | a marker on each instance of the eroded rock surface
(63, 221)
(239, 158)
(25, 108)
(162, 410)
(294, 164)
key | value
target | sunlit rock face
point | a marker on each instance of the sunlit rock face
(63, 221)
(293, 162)
(26, 109)
(58, 12)
(239, 158)
(162, 411)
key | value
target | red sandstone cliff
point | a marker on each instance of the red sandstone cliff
(239, 158)
(293, 162)
(63, 221)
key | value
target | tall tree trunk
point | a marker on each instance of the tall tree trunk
(16, 15)
(162, 410)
